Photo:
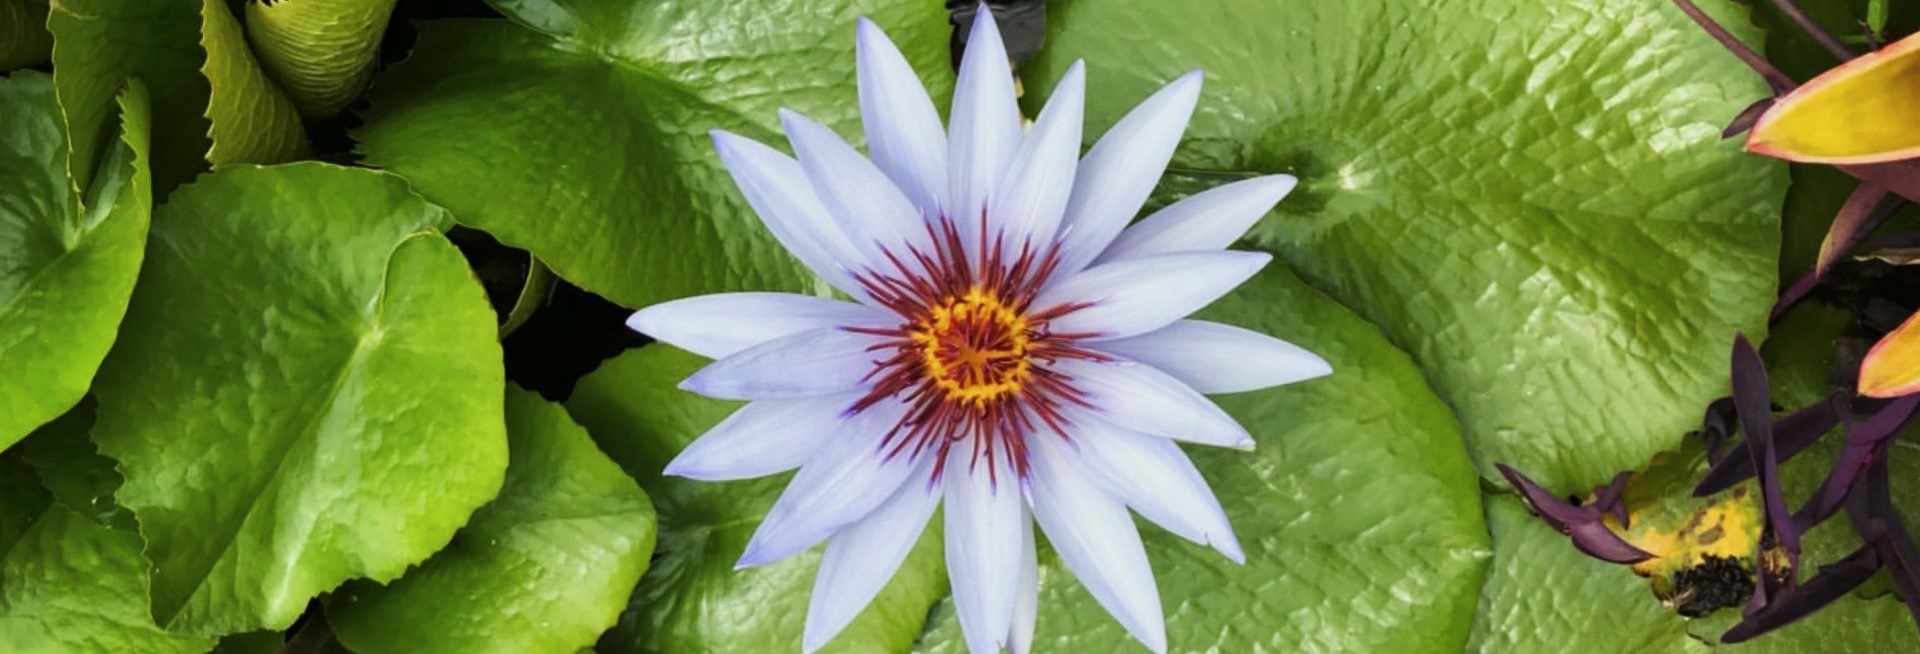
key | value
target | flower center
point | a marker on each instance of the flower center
(975, 348)
(971, 358)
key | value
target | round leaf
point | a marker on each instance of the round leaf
(307, 389)
(586, 143)
(545, 567)
(1530, 198)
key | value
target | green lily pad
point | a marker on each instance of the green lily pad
(69, 583)
(74, 585)
(1530, 198)
(584, 139)
(307, 389)
(1359, 511)
(545, 567)
(70, 259)
(692, 600)
(73, 470)
(1544, 596)
(211, 100)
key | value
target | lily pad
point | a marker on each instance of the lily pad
(68, 260)
(545, 567)
(69, 583)
(74, 585)
(584, 139)
(1544, 596)
(1359, 511)
(1531, 198)
(692, 600)
(307, 389)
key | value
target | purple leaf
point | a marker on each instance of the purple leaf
(1831, 583)
(1585, 524)
(1866, 444)
(1744, 120)
(1793, 434)
(1751, 400)
(1856, 218)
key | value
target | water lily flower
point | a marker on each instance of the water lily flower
(1012, 349)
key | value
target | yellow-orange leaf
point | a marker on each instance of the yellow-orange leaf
(1892, 367)
(1863, 111)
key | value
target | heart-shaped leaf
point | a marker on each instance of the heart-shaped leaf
(307, 389)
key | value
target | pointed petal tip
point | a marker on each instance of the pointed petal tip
(1229, 546)
(867, 37)
(990, 27)
(725, 142)
(637, 321)
(1278, 186)
(755, 555)
(1187, 85)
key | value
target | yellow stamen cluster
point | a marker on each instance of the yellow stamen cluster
(975, 347)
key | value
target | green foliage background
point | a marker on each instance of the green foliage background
(248, 379)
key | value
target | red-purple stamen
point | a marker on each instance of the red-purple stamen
(970, 355)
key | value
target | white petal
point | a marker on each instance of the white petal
(814, 362)
(871, 210)
(763, 438)
(1136, 296)
(985, 130)
(777, 189)
(1026, 607)
(841, 484)
(903, 128)
(1216, 358)
(1095, 537)
(1149, 401)
(1211, 220)
(721, 325)
(1121, 170)
(983, 523)
(861, 558)
(1028, 201)
(1154, 477)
